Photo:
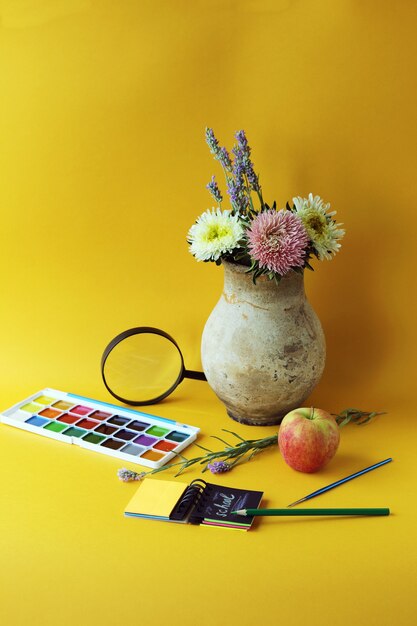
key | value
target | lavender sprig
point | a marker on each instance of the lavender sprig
(238, 197)
(212, 142)
(241, 195)
(243, 152)
(213, 188)
(218, 467)
(225, 160)
(219, 153)
(126, 475)
(241, 179)
(215, 461)
(243, 143)
(224, 460)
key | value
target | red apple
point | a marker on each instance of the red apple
(308, 439)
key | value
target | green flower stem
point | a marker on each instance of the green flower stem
(261, 200)
(249, 195)
(226, 173)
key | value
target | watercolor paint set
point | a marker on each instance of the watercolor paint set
(120, 432)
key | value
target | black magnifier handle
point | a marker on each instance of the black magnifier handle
(194, 375)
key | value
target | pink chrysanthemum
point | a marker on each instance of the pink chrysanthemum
(277, 240)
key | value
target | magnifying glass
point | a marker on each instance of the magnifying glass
(143, 366)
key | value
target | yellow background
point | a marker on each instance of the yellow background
(103, 170)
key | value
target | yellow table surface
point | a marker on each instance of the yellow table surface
(103, 168)
(70, 556)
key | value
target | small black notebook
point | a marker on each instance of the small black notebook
(196, 503)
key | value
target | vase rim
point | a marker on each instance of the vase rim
(239, 267)
(243, 269)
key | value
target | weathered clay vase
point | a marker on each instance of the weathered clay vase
(263, 348)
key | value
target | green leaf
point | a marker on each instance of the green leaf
(222, 440)
(202, 447)
(180, 471)
(233, 433)
(344, 422)
(181, 456)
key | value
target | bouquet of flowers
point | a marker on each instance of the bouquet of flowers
(268, 241)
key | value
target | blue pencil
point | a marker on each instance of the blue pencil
(340, 482)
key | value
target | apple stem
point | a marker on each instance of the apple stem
(311, 416)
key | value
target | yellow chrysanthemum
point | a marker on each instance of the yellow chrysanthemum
(321, 228)
(215, 233)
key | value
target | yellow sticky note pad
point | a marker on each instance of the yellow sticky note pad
(156, 498)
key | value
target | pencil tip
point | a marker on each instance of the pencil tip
(240, 512)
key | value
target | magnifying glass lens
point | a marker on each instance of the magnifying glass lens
(143, 367)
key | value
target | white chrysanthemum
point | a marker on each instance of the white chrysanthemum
(323, 231)
(215, 233)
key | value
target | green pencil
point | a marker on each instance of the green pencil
(297, 512)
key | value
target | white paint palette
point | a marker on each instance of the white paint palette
(129, 435)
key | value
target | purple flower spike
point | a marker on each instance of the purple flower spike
(214, 190)
(212, 142)
(243, 142)
(253, 179)
(220, 154)
(238, 198)
(224, 158)
(242, 153)
(239, 164)
(218, 467)
(126, 475)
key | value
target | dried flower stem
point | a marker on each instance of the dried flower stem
(356, 416)
(243, 451)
